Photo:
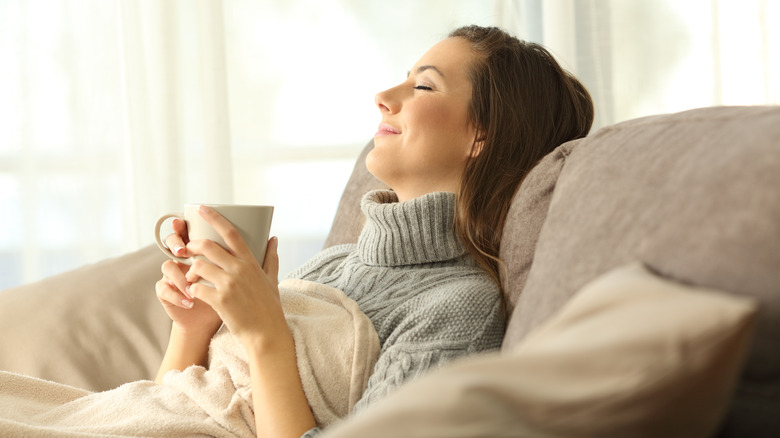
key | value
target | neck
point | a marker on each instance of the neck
(408, 195)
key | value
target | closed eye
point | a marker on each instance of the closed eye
(423, 87)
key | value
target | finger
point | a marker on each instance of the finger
(167, 293)
(212, 251)
(271, 261)
(180, 228)
(226, 230)
(174, 273)
(175, 243)
(205, 270)
(205, 293)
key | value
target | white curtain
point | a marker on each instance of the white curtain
(643, 57)
(114, 112)
(170, 154)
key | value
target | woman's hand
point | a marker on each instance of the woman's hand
(245, 295)
(193, 317)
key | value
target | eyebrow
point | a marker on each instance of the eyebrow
(422, 68)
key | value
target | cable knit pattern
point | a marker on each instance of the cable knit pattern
(428, 300)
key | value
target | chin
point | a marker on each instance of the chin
(374, 166)
(371, 164)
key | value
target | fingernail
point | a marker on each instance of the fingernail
(187, 303)
(178, 250)
(187, 291)
(203, 209)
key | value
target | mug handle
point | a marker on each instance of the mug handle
(159, 241)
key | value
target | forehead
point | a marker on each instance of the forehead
(451, 56)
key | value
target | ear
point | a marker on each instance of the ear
(477, 146)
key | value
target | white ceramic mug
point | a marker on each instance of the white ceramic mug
(253, 223)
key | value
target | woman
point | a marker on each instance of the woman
(456, 138)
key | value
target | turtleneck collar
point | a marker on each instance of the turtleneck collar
(417, 231)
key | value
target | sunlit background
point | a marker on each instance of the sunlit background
(115, 112)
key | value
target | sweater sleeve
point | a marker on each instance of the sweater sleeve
(400, 364)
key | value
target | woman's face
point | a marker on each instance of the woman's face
(425, 138)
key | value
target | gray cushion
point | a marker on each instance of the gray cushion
(525, 219)
(696, 196)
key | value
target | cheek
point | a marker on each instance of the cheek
(445, 128)
(439, 116)
(447, 120)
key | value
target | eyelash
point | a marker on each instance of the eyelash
(423, 87)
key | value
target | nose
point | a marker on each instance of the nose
(387, 101)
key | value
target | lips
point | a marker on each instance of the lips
(385, 129)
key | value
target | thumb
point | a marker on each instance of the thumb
(271, 262)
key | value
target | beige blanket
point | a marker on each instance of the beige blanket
(335, 342)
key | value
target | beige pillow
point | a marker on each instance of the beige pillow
(631, 355)
(95, 327)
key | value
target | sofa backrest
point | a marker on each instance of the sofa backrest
(693, 195)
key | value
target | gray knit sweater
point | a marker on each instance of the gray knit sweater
(428, 300)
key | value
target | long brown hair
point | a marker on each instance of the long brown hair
(523, 106)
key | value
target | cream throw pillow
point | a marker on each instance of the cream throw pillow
(630, 355)
(95, 327)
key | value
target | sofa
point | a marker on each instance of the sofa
(641, 271)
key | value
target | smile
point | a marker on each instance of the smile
(385, 129)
